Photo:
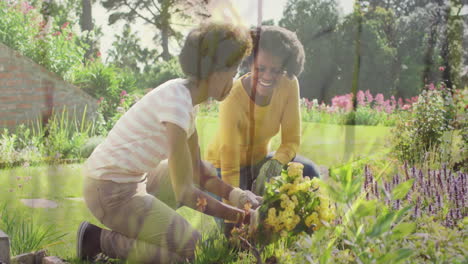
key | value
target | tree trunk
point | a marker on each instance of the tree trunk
(165, 43)
(428, 56)
(165, 18)
(86, 18)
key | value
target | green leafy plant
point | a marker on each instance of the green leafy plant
(214, 248)
(422, 131)
(366, 231)
(54, 46)
(25, 235)
(66, 133)
(106, 84)
(159, 72)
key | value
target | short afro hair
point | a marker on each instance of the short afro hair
(213, 47)
(280, 42)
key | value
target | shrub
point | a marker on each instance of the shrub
(62, 138)
(54, 46)
(421, 131)
(64, 134)
(90, 145)
(105, 83)
(158, 73)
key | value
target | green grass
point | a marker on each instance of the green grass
(324, 144)
(58, 184)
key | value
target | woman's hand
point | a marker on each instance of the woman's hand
(240, 198)
(270, 169)
(253, 220)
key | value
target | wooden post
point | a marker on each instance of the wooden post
(4, 248)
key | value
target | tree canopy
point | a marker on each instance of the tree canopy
(159, 13)
(402, 45)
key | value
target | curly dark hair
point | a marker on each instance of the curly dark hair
(214, 47)
(280, 42)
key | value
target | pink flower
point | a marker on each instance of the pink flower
(369, 97)
(441, 68)
(122, 101)
(361, 98)
(100, 100)
(343, 102)
(379, 102)
(26, 7)
(400, 102)
(123, 93)
(98, 54)
(388, 106)
(431, 86)
(42, 24)
(310, 104)
(56, 33)
(65, 25)
(406, 107)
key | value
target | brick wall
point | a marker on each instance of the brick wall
(28, 91)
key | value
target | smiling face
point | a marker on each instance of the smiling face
(266, 71)
(220, 84)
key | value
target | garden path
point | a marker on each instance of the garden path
(45, 203)
(39, 203)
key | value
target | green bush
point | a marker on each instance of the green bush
(22, 28)
(158, 73)
(64, 137)
(107, 84)
(89, 146)
(420, 132)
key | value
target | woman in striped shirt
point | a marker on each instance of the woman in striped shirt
(149, 164)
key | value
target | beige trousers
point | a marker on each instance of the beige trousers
(144, 226)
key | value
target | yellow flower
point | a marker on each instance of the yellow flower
(293, 190)
(294, 199)
(201, 204)
(312, 220)
(295, 169)
(315, 183)
(285, 188)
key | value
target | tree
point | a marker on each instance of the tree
(159, 13)
(315, 22)
(399, 7)
(126, 52)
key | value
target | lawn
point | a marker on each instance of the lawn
(324, 144)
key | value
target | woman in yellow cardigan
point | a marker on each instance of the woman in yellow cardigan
(262, 103)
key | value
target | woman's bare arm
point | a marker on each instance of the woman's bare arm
(182, 178)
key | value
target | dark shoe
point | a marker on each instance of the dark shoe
(88, 241)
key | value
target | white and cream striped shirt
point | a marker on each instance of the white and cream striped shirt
(137, 143)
